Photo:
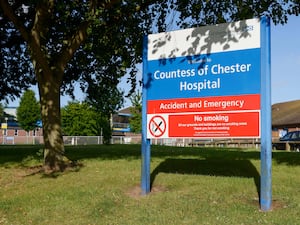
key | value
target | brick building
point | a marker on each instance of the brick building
(285, 117)
(12, 133)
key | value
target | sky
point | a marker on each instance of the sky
(285, 66)
(285, 61)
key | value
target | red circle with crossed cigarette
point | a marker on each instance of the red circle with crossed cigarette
(157, 126)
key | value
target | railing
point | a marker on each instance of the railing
(21, 140)
(97, 140)
(239, 143)
(70, 140)
(136, 139)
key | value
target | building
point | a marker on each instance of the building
(285, 117)
(120, 121)
(12, 133)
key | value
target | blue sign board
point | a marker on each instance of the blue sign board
(225, 65)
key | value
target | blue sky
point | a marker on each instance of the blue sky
(285, 61)
(285, 65)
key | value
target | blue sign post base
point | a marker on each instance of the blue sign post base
(145, 178)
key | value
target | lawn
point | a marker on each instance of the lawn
(189, 186)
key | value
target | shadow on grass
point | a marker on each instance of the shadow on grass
(20, 155)
(209, 167)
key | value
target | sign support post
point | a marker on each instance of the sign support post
(146, 145)
(266, 120)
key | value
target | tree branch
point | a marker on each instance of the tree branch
(31, 37)
(81, 34)
(40, 28)
(72, 44)
(44, 10)
(8, 11)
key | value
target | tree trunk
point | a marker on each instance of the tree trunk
(49, 90)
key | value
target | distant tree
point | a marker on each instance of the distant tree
(28, 112)
(104, 123)
(78, 119)
(81, 119)
(105, 102)
(136, 111)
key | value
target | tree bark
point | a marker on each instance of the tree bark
(49, 91)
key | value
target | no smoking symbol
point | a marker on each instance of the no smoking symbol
(157, 126)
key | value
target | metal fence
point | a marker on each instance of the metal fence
(190, 142)
(97, 140)
(21, 140)
(70, 140)
(136, 139)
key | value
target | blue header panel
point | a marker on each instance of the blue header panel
(217, 74)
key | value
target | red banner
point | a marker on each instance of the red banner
(209, 104)
(236, 124)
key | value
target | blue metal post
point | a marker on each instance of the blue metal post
(146, 147)
(266, 118)
(145, 179)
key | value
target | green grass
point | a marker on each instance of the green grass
(189, 186)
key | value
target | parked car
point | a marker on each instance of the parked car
(292, 138)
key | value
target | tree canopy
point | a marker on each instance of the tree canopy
(82, 119)
(78, 119)
(57, 43)
(93, 39)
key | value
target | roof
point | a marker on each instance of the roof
(125, 112)
(286, 113)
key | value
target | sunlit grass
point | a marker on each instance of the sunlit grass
(189, 186)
